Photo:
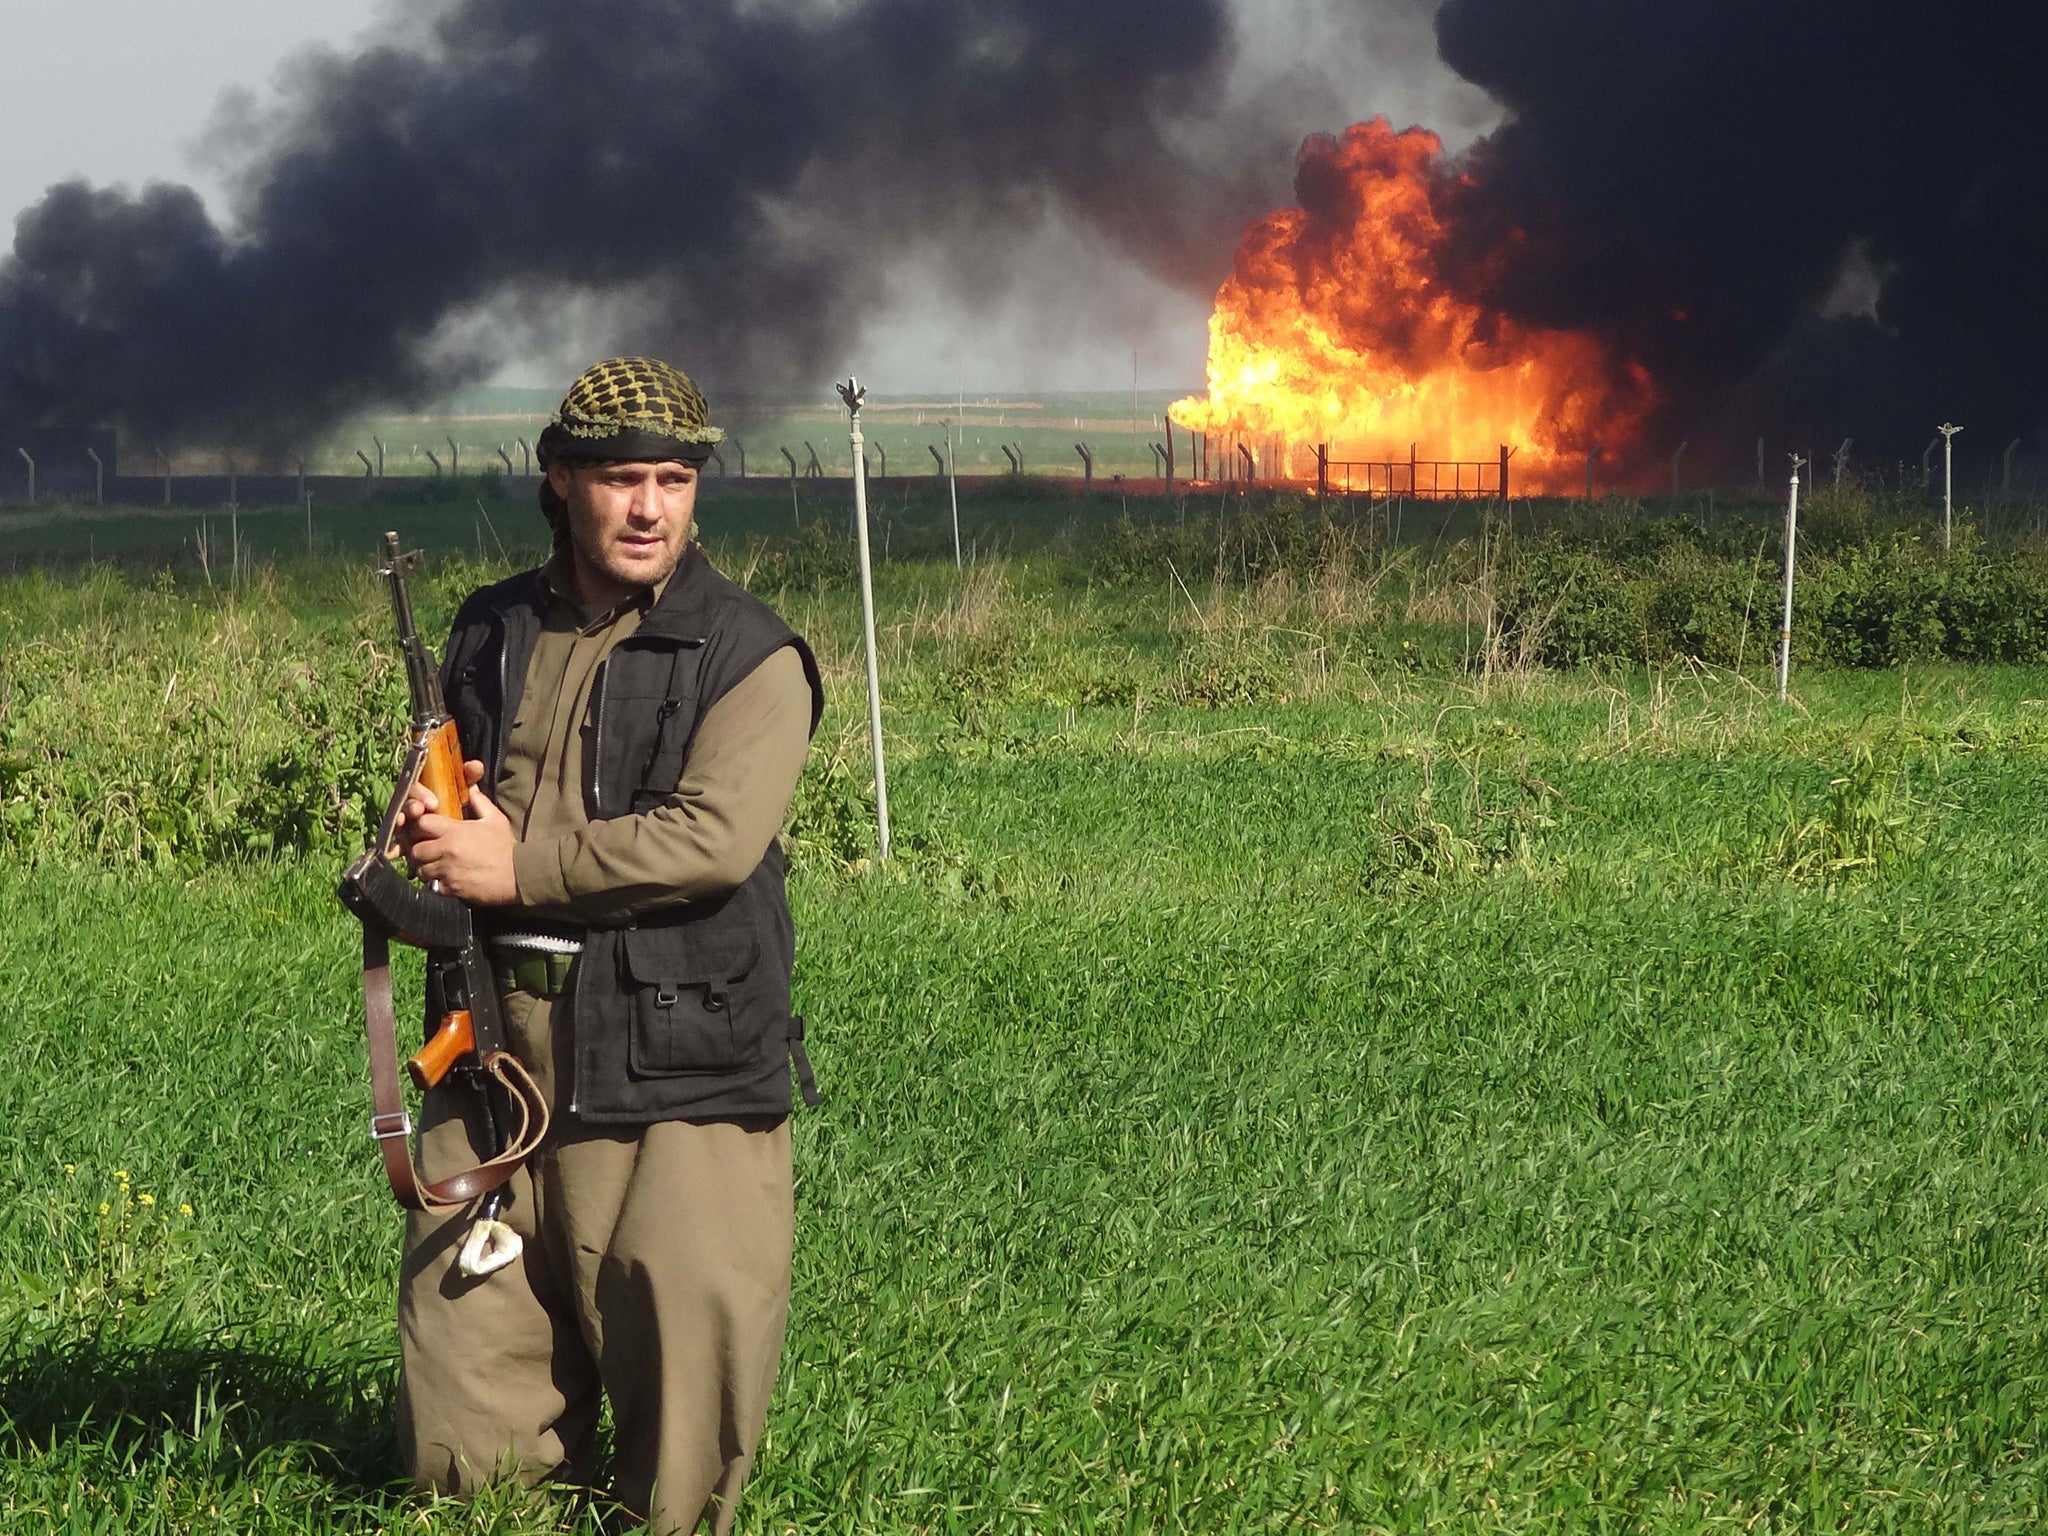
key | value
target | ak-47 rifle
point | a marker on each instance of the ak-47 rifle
(461, 990)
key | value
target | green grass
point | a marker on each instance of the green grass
(478, 516)
(1289, 1081)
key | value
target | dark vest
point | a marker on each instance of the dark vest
(683, 1014)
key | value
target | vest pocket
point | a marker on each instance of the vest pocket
(689, 996)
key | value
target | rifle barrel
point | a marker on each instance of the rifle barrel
(422, 679)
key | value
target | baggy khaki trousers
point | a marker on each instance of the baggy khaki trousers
(656, 1272)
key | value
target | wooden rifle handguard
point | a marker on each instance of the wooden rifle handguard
(441, 772)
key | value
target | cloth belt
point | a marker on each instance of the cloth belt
(527, 970)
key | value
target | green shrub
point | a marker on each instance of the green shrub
(1882, 603)
(1567, 608)
(1256, 537)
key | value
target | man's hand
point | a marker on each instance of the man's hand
(471, 858)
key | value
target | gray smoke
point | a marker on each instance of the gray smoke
(746, 177)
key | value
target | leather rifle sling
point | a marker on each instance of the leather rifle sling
(392, 1126)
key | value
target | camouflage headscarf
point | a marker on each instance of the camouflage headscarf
(625, 410)
(631, 408)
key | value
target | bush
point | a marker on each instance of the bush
(1568, 608)
(1663, 597)
(1262, 537)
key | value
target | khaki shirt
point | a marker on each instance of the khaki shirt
(705, 838)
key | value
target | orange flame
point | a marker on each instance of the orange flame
(1349, 326)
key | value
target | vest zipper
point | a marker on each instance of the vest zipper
(604, 672)
(506, 707)
(567, 1002)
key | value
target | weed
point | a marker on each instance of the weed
(1414, 844)
(1871, 823)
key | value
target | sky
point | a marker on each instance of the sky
(128, 91)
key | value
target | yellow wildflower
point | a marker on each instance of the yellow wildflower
(103, 1207)
(121, 1175)
(145, 1199)
(71, 1167)
(184, 1210)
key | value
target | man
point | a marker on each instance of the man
(637, 724)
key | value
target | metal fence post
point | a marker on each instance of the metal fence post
(953, 490)
(854, 395)
(1948, 484)
(1791, 548)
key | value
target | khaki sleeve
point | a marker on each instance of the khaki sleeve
(709, 835)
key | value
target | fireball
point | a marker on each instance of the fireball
(1350, 322)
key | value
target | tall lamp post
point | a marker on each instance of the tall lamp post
(855, 397)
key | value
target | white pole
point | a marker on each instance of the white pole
(1791, 547)
(953, 487)
(1948, 484)
(854, 395)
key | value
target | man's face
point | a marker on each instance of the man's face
(628, 523)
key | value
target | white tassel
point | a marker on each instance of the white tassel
(490, 1246)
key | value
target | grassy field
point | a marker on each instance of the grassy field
(481, 422)
(1297, 1076)
(480, 517)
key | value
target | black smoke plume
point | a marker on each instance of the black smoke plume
(1696, 178)
(744, 174)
